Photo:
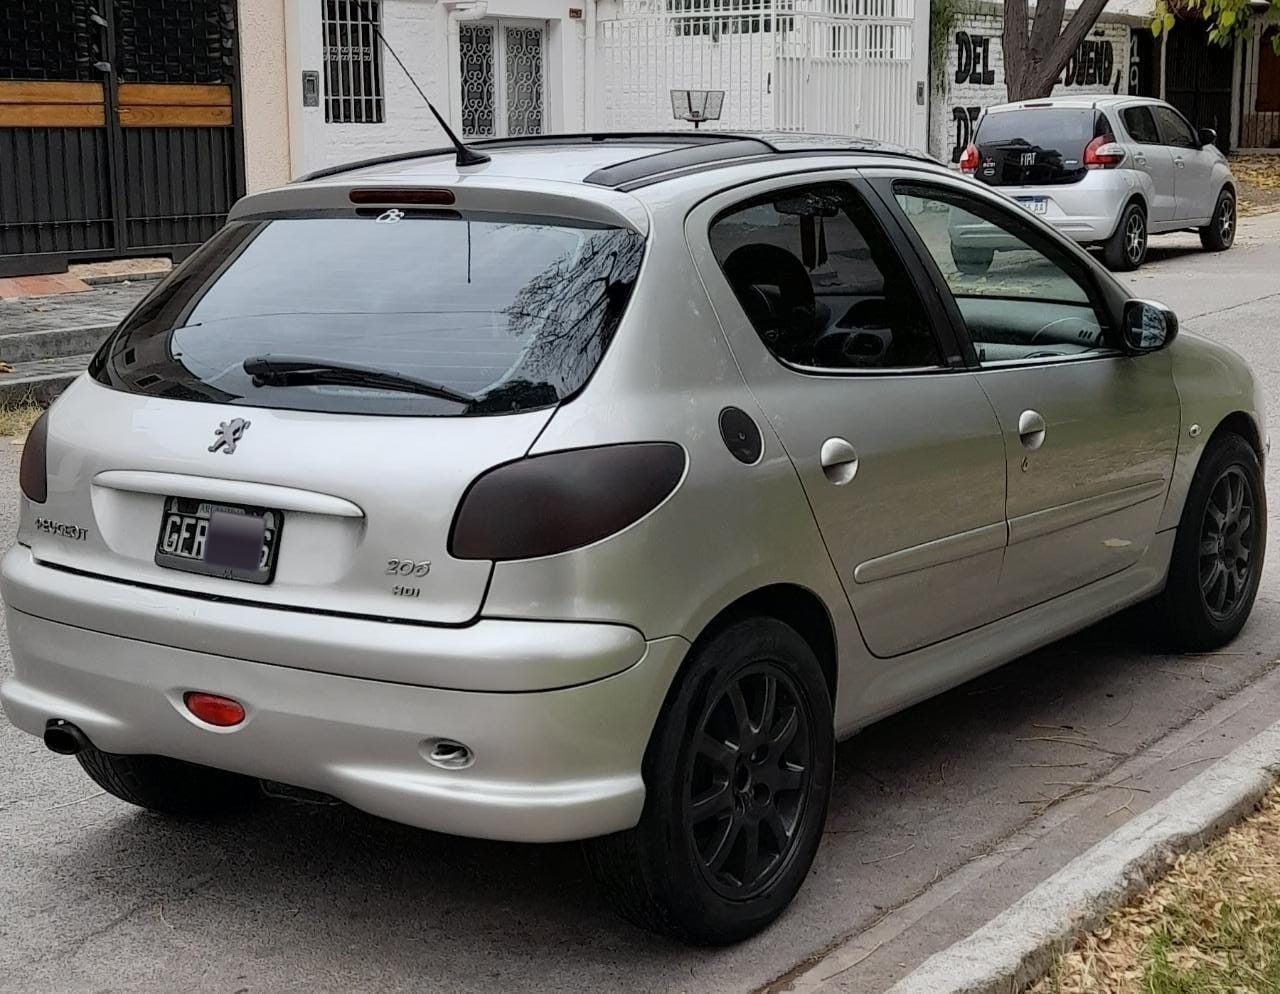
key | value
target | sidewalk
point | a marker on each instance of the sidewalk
(49, 340)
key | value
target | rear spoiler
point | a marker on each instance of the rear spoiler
(536, 198)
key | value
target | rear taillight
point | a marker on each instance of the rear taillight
(33, 476)
(553, 503)
(1104, 152)
(969, 159)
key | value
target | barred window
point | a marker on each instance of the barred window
(713, 18)
(353, 62)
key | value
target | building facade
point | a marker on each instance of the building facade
(512, 67)
(970, 76)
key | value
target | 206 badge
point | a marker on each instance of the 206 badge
(227, 434)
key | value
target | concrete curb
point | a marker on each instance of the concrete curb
(1016, 947)
(146, 276)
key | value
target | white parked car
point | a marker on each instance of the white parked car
(594, 490)
(1108, 171)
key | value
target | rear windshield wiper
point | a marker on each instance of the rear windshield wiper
(290, 370)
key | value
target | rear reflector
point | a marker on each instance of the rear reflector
(391, 198)
(213, 709)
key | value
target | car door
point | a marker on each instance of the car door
(1150, 155)
(1090, 433)
(896, 446)
(1193, 164)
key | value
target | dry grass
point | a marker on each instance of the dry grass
(1212, 926)
(1258, 181)
(18, 418)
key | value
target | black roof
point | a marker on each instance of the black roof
(690, 151)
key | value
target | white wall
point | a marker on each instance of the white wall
(973, 78)
(264, 94)
(419, 32)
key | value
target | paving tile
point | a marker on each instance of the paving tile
(17, 287)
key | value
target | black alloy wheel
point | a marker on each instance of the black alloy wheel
(748, 783)
(1227, 537)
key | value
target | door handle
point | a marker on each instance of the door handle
(1179, 162)
(839, 461)
(1031, 429)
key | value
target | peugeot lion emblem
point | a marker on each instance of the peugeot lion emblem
(227, 434)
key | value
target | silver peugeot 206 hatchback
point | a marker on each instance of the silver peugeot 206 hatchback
(594, 491)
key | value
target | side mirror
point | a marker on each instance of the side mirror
(1148, 326)
(1207, 136)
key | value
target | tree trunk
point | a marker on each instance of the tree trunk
(1034, 58)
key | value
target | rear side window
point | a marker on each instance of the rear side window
(1141, 125)
(434, 313)
(820, 282)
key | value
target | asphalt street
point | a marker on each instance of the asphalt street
(98, 896)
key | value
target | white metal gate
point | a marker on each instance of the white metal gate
(841, 67)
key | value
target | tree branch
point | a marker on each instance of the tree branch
(1014, 42)
(1081, 23)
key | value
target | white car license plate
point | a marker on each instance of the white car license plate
(228, 541)
(1036, 205)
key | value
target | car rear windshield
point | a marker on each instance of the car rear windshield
(1066, 130)
(399, 313)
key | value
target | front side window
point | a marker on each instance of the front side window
(1018, 301)
(1141, 126)
(1176, 130)
(820, 282)
(443, 314)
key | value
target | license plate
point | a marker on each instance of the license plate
(224, 540)
(1036, 205)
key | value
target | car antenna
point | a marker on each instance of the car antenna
(466, 156)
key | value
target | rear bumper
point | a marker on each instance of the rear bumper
(549, 765)
(1086, 212)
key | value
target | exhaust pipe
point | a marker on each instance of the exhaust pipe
(65, 738)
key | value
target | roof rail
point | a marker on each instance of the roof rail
(691, 138)
(656, 164)
(690, 151)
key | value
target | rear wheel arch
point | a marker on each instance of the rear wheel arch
(1134, 198)
(1114, 249)
(1140, 201)
(793, 605)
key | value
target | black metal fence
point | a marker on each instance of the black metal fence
(119, 128)
(1198, 78)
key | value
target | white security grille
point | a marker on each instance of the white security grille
(503, 85)
(352, 62)
(841, 67)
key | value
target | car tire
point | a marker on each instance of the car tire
(971, 261)
(1219, 549)
(1219, 234)
(169, 786)
(759, 765)
(1126, 249)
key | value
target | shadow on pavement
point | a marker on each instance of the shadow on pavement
(357, 897)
